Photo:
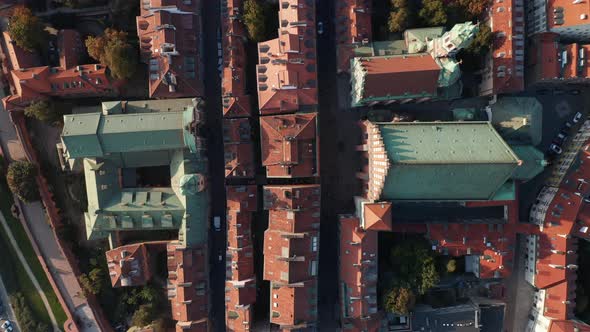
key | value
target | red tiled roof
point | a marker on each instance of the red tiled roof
(238, 309)
(235, 101)
(291, 197)
(238, 148)
(289, 145)
(291, 246)
(293, 306)
(187, 275)
(238, 229)
(241, 198)
(38, 83)
(568, 326)
(70, 47)
(240, 284)
(287, 73)
(377, 216)
(128, 265)
(240, 262)
(505, 67)
(19, 58)
(573, 13)
(353, 27)
(358, 268)
(169, 44)
(418, 72)
(491, 242)
(547, 64)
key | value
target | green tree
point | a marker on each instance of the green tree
(254, 20)
(428, 275)
(112, 50)
(143, 316)
(21, 177)
(24, 315)
(400, 17)
(92, 282)
(451, 265)
(433, 12)
(40, 110)
(26, 29)
(399, 20)
(474, 8)
(399, 300)
(482, 41)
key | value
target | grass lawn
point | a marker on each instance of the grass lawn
(16, 278)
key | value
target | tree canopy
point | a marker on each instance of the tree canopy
(475, 8)
(399, 300)
(22, 180)
(24, 315)
(112, 50)
(401, 16)
(261, 20)
(40, 110)
(143, 316)
(254, 20)
(482, 42)
(433, 12)
(414, 265)
(92, 282)
(26, 29)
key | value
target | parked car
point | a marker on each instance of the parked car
(567, 126)
(555, 149)
(574, 92)
(7, 326)
(542, 92)
(577, 117)
(217, 223)
(558, 92)
(560, 138)
(320, 28)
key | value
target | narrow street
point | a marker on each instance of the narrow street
(7, 311)
(217, 242)
(338, 139)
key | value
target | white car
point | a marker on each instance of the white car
(7, 326)
(555, 148)
(577, 117)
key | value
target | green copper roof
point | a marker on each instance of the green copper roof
(445, 161)
(133, 135)
(533, 162)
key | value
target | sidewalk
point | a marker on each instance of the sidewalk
(30, 273)
(45, 239)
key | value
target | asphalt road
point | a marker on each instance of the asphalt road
(217, 240)
(6, 311)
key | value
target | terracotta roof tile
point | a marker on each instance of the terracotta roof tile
(170, 47)
(289, 145)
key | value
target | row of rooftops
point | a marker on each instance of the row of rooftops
(240, 285)
(291, 254)
(353, 28)
(169, 41)
(562, 217)
(235, 101)
(504, 69)
(71, 79)
(287, 73)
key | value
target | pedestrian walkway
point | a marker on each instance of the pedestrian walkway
(30, 273)
(44, 237)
